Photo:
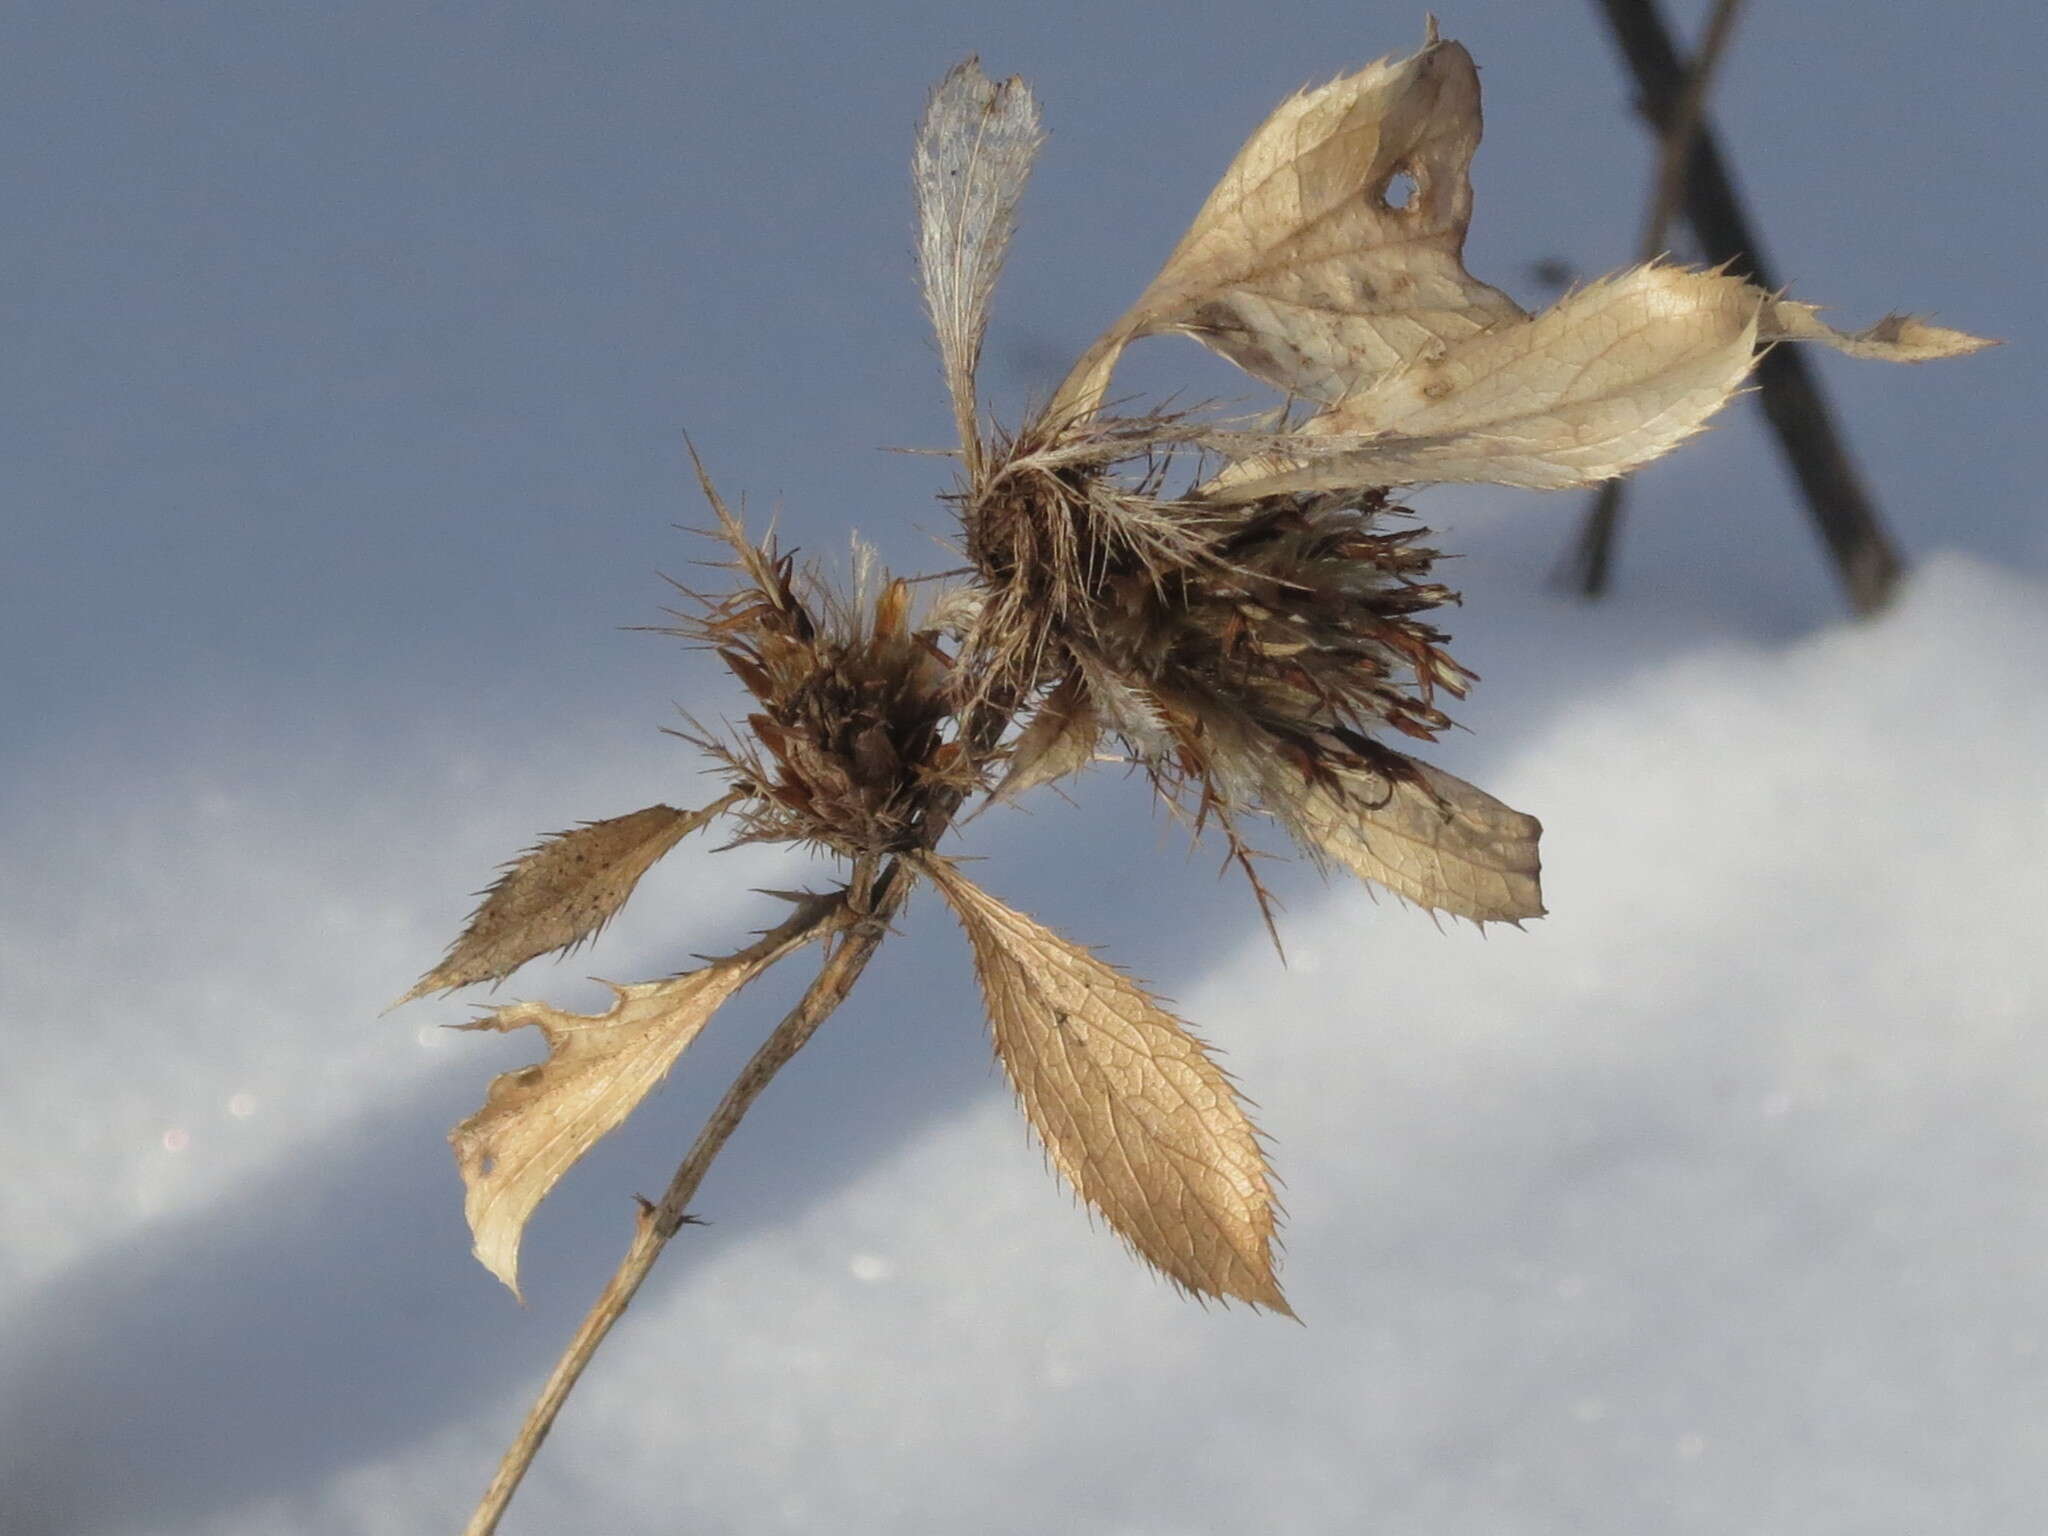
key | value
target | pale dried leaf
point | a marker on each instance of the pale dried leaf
(1134, 1114)
(1059, 740)
(974, 153)
(1299, 268)
(537, 1121)
(560, 893)
(1605, 380)
(1894, 339)
(1437, 841)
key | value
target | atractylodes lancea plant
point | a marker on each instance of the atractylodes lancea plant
(1247, 614)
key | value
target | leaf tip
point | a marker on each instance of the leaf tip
(413, 994)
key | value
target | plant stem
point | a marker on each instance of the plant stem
(861, 935)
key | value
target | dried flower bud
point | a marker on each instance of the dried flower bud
(854, 734)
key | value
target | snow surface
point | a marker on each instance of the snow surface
(1707, 1203)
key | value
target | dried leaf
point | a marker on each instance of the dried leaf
(1130, 1108)
(537, 1121)
(1059, 740)
(1433, 839)
(974, 153)
(1304, 270)
(1605, 380)
(560, 893)
(1894, 339)
(1305, 267)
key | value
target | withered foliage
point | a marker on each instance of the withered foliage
(1131, 1109)
(1255, 641)
(560, 894)
(538, 1121)
(1250, 615)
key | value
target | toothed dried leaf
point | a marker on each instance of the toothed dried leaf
(1605, 380)
(1434, 839)
(1129, 1106)
(974, 153)
(1894, 339)
(537, 1121)
(1059, 740)
(1304, 267)
(559, 893)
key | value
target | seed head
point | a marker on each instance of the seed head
(1244, 654)
(854, 735)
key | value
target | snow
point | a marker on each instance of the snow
(1702, 1204)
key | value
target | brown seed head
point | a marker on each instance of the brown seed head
(1215, 640)
(1051, 527)
(855, 730)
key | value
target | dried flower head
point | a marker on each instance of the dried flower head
(1250, 657)
(854, 738)
(1253, 639)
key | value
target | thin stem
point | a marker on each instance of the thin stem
(1592, 559)
(861, 933)
(1590, 564)
(1866, 560)
(1682, 127)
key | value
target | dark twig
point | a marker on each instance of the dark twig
(1682, 131)
(1592, 558)
(1867, 561)
(1588, 563)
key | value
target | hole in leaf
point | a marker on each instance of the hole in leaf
(1400, 192)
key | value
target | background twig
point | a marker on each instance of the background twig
(1671, 97)
(1682, 129)
(1592, 558)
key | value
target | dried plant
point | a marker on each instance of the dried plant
(1251, 639)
